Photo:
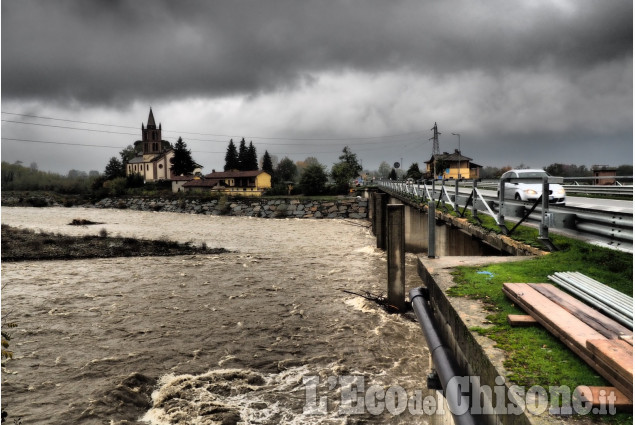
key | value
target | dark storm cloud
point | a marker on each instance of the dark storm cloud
(101, 52)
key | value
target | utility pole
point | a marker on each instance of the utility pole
(435, 148)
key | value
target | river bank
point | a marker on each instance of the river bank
(29, 245)
(292, 207)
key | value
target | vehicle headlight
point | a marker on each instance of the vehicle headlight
(530, 192)
(559, 191)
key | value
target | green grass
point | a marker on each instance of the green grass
(533, 355)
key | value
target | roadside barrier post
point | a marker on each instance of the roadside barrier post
(474, 212)
(456, 191)
(544, 227)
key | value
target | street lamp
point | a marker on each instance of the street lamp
(459, 136)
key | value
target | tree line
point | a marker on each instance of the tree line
(311, 176)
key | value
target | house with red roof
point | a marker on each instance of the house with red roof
(233, 183)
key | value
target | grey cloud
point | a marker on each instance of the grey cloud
(102, 52)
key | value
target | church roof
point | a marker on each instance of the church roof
(151, 120)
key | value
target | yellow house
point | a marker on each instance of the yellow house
(453, 166)
(236, 183)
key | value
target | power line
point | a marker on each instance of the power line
(340, 139)
(10, 139)
(60, 143)
(385, 145)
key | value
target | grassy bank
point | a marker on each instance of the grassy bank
(533, 355)
(27, 245)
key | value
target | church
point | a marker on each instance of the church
(153, 154)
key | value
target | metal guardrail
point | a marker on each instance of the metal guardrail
(599, 189)
(575, 187)
(613, 228)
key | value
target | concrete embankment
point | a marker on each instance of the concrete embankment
(256, 207)
(476, 355)
(265, 208)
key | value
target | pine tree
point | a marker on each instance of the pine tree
(182, 163)
(267, 164)
(252, 158)
(243, 160)
(231, 157)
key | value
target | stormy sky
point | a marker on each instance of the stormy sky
(529, 82)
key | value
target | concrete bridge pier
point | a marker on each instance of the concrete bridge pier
(396, 255)
(379, 219)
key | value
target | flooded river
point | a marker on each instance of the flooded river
(262, 335)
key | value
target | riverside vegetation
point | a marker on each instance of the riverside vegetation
(28, 245)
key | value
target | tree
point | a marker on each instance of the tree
(127, 154)
(414, 172)
(76, 174)
(440, 165)
(347, 169)
(251, 158)
(302, 165)
(243, 158)
(384, 170)
(568, 170)
(285, 171)
(114, 169)
(182, 163)
(392, 175)
(231, 157)
(313, 179)
(625, 170)
(267, 165)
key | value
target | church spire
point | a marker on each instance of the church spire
(151, 123)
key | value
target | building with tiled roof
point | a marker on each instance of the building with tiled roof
(456, 166)
(237, 183)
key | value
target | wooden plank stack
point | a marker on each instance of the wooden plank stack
(600, 341)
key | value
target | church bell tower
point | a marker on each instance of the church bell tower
(151, 136)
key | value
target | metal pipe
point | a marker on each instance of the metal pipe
(599, 291)
(602, 288)
(443, 360)
(594, 302)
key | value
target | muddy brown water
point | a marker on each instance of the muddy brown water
(227, 338)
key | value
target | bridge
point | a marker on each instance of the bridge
(606, 222)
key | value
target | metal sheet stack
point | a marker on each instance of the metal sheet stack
(613, 303)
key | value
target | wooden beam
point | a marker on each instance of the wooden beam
(615, 353)
(568, 329)
(608, 327)
(600, 397)
(521, 320)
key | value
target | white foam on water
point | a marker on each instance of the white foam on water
(256, 398)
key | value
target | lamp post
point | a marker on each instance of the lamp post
(459, 136)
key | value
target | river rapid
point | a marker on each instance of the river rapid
(259, 335)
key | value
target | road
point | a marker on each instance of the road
(599, 204)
